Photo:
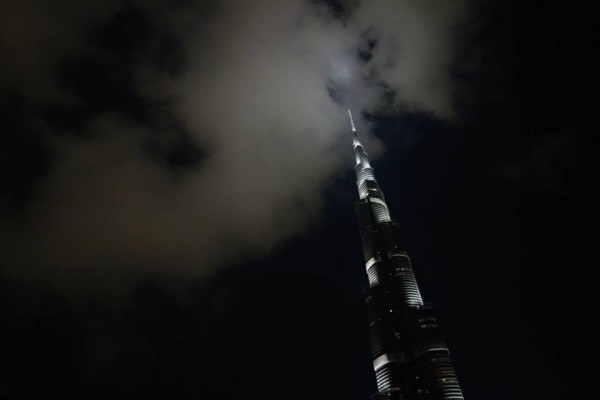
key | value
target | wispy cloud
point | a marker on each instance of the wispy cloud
(204, 132)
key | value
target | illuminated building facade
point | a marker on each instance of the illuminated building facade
(410, 359)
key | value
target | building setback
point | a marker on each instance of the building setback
(410, 358)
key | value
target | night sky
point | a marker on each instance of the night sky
(177, 193)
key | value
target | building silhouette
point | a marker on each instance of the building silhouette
(410, 358)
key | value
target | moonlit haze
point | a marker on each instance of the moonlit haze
(256, 92)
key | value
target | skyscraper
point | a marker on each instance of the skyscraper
(410, 358)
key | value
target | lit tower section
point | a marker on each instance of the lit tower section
(410, 359)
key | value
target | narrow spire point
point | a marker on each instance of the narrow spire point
(351, 121)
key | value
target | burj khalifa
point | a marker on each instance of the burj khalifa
(410, 358)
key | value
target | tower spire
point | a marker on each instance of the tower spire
(410, 359)
(351, 121)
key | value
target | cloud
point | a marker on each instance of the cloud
(189, 137)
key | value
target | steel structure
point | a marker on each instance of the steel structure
(410, 358)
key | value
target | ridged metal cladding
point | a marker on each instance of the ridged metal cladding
(372, 197)
(410, 360)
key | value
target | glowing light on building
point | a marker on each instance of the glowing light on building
(410, 360)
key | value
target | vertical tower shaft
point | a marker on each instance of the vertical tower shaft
(410, 359)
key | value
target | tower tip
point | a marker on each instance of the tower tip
(351, 120)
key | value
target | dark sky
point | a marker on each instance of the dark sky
(177, 193)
